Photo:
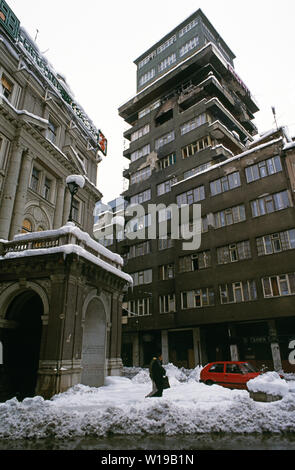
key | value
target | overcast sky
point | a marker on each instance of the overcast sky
(93, 43)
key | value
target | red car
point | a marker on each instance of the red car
(234, 374)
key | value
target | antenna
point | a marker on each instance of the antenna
(37, 32)
(275, 116)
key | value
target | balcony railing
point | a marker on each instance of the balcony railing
(47, 242)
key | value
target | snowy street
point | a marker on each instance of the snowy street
(120, 408)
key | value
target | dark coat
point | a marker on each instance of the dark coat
(157, 372)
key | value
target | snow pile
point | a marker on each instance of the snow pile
(120, 408)
(270, 383)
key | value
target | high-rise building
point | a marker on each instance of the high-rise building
(192, 142)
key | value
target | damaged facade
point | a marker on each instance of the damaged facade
(193, 141)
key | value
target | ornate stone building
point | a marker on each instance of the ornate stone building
(60, 291)
(44, 137)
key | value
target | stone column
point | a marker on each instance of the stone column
(275, 348)
(21, 195)
(59, 205)
(10, 188)
(234, 351)
(115, 362)
(66, 206)
(135, 350)
(165, 346)
(197, 346)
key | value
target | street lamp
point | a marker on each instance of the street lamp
(74, 182)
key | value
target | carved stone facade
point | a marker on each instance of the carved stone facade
(67, 302)
(42, 141)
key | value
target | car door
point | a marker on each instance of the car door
(234, 377)
(215, 373)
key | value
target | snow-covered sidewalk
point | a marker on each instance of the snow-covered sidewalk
(120, 408)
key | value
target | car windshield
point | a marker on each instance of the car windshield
(246, 367)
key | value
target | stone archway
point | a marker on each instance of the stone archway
(94, 344)
(21, 345)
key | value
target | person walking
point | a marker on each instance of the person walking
(157, 374)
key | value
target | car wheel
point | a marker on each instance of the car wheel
(209, 382)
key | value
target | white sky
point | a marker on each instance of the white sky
(94, 43)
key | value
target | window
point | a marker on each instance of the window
(197, 298)
(236, 292)
(230, 216)
(7, 87)
(149, 109)
(276, 242)
(140, 249)
(140, 175)
(139, 307)
(188, 27)
(167, 303)
(138, 223)
(142, 277)
(217, 368)
(195, 147)
(76, 210)
(27, 226)
(165, 243)
(165, 139)
(147, 59)
(166, 272)
(271, 203)
(234, 252)
(165, 187)
(193, 123)
(195, 262)
(140, 132)
(35, 179)
(191, 196)
(166, 44)
(167, 161)
(225, 183)
(279, 285)
(167, 62)
(52, 131)
(147, 76)
(189, 46)
(262, 169)
(140, 153)
(196, 170)
(141, 197)
(46, 189)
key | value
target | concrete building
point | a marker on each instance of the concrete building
(60, 291)
(192, 141)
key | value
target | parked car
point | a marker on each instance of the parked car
(230, 374)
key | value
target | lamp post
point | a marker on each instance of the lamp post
(74, 182)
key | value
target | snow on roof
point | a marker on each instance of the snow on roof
(72, 228)
(24, 111)
(69, 249)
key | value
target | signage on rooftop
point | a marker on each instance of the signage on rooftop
(8, 20)
(12, 25)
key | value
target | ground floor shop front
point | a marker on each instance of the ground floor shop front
(266, 344)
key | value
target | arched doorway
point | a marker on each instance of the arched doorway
(93, 346)
(21, 345)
